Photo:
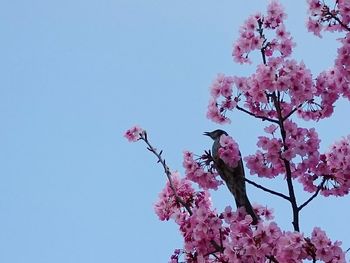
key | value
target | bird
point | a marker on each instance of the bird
(234, 177)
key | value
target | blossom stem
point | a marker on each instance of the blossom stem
(167, 172)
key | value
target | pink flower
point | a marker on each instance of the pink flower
(277, 89)
(325, 250)
(315, 7)
(263, 211)
(338, 168)
(270, 129)
(134, 134)
(195, 171)
(275, 14)
(167, 206)
(221, 100)
(229, 151)
(314, 26)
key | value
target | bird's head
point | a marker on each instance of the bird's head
(215, 134)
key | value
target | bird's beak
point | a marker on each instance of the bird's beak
(206, 133)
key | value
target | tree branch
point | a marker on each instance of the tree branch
(261, 33)
(291, 112)
(293, 201)
(272, 259)
(166, 171)
(267, 190)
(314, 195)
(263, 118)
(338, 20)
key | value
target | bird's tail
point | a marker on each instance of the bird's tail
(243, 201)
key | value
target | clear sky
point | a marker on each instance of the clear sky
(74, 75)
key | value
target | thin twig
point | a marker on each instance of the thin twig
(291, 112)
(267, 189)
(338, 20)
(263, 118)
(167, 172)
(314, 195)
(261, 33)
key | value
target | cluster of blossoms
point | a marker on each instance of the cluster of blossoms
(277, 75)
(307, 164)
(325, 250)
(229, 236)
(342, 65)
(325, 95)
(279, 88)
(202, 170)
(229, 151)
(300, 149)
(210, 236)
(252, 35)
(279, 79)
(324, 18)
(336, 166)
(221, 101)
(167, 206)
(197, 172)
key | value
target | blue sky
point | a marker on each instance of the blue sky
(76, 74)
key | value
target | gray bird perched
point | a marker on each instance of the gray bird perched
(233, 176)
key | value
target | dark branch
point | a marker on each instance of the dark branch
(314, 195)
(338, 20)
(292, 198)
(166, 171)
(261, 33)
(291, 112)
(267, 190)
(310, 249)
(272, 259)
(263, 118)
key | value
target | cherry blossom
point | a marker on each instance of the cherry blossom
(167, 206)
(279, 91)
(229, 151)
(196, 172)
(338, 168)
(221, 87)
(133, 134)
